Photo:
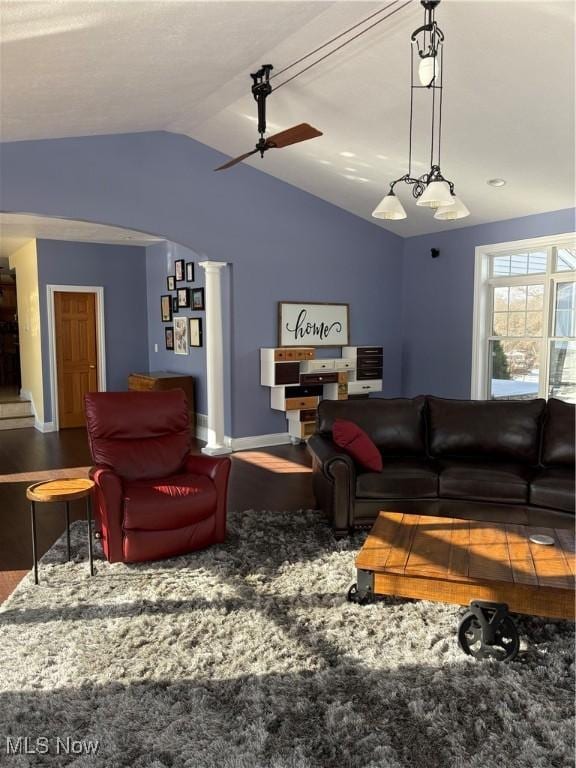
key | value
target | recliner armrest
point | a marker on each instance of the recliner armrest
(329, 455)
(217, 468)
(109, 497)
(213, 467)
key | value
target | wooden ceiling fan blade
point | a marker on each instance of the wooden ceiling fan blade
(294, 135)
(236, 160)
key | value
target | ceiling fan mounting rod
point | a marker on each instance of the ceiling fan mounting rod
(261, 89)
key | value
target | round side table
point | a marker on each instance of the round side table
(65, 491)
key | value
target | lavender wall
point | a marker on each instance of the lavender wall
(160, 260)
(121, 270)
(438, 300)
(282, 243)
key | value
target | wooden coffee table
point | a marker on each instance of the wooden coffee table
(491, 566)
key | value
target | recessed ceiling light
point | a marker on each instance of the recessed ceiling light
(382, 157)
(347, 154)
(496, 182)
(352, 170)
(325, 162)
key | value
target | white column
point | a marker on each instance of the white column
(214, 359)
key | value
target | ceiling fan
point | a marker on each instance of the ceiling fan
(261, 89)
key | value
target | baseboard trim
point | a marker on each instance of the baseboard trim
(258, 441)
(202, 427)
(241, 443)
(44, 426)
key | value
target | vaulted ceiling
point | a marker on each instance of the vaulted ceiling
(74, 68)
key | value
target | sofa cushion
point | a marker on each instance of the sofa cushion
(399, 479)
(558, 437)
(357, 444)
(479, 429)
(395, 425)
(139, 434)
(553, 488)
(484, 481)
(172, 502)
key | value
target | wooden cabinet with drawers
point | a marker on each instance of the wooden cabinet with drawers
(298, 380)
(331, 377)
(367, 369)
(161, 380)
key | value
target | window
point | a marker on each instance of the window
(525, 320)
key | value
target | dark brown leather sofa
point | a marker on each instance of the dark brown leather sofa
(503, 461)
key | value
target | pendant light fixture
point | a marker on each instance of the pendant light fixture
(431, 190)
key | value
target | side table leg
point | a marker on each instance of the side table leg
(68, 528)
(89, 518)
(34, 547)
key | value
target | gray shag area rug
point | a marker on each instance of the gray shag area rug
(248, 655)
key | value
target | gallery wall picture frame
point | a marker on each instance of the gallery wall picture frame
(166, 308)
(189, 271)
(181, 335)
(174, 304)
(171, 283)
(195, 326)
(179, 270)
(313, 324)
(169, 337)
(183, 295)
(197, 299)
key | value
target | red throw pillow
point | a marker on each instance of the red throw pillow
(357, 444)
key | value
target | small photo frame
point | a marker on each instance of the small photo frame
(181, 335)
(174, 304)
(179, 270)
(189, 271)
(183, 296)
(166, 308)
(169, 336)
(195, 325)
(171, 283)
(197, 299)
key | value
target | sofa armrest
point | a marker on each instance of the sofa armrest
(217, 468)
(330, 457)
(339, 479)
(109, 496)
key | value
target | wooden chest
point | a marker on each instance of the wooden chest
(160, 380)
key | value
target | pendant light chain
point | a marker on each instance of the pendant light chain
(411, 110)
(431, 189)
(441, 96)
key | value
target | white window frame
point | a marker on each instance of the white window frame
(482, 315)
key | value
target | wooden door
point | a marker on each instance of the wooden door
(76, 354)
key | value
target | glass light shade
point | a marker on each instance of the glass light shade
(389, 208)
(449, 212)
(428, 69)
(437, 193)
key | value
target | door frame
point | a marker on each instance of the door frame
(98, 290)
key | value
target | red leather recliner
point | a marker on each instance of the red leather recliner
(153, 499)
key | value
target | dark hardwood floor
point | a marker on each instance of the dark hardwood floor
(269, 478)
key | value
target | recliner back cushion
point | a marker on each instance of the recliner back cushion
(140, 435)
(558, 439)
(395, 425)
(489, 429)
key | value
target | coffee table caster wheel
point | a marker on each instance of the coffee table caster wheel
(355, 596)
(487, 631)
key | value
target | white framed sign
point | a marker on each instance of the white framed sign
(312, 324)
